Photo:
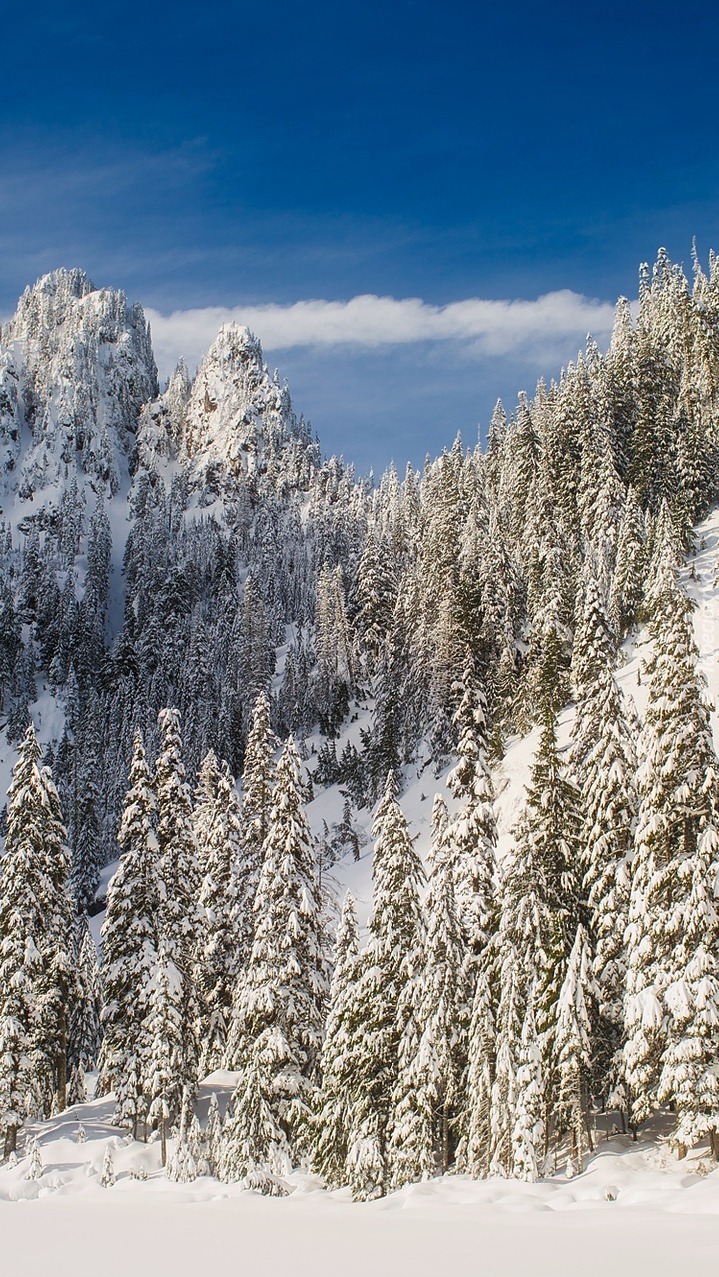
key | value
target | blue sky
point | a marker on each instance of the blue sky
(232, 157)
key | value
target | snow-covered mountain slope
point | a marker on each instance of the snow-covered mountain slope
(420, 782)
(83, 431)
(511, 775)
(700, 579)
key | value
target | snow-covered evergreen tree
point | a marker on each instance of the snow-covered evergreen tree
(475, 1149)
(84, 1036)
(472, 828)
(603, 764)
(281, 1000)
(573, 1047)
(503, 1099)
(130, 943)
(36, 925)
(677, 782)
(107, 1176)
(528, 1132)
(258, 781)
(226, 899)
(689, 1080)
(162, 1062)
(388, 991)
(444, 1009)
(179, 871)
(35, 1166)
(337, 1090)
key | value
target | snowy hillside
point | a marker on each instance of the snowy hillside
(336, 779)
(633, 1198)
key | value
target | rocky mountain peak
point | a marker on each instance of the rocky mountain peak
(76, 366)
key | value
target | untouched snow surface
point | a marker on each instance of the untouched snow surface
(664, 1218)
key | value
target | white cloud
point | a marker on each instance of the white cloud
(485, 327)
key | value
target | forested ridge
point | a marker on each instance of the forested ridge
(190, 593)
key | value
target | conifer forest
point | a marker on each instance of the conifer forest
(364, 829)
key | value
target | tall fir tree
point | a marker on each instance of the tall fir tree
(528, 1132)
(37, 980)
(444, 1008)
(472, 827)
(179, 871)
(226, 900)
(603, 764)
(677, 778)
(130, 944)
(281, 1001)
(387, 990)
(258, 782)
(333, 1119)
(162, 1061)
(573, 1049)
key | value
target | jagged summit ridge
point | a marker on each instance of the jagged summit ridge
(226, 423)
(79, 398)
(235, 405)
(76, 366)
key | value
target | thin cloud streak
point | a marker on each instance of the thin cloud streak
(482, 327)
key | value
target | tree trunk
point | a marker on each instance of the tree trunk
(445, 1141)
(587, 1119)
(10, 1140)
(62, 1071)
(681, 1151)
(163, 1139)
(714, 1144)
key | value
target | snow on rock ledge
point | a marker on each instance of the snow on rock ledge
(76, 366)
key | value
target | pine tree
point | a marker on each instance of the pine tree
(36, 921)
(130, 945)
(77, 1089)
(573, 1046)
(255, 1148)
(528, 1134)
(203, 812)
(15, 1045)
(472, 828)
(163, 1059)
(553, 828)
(84, 1035)
(625, 594)
(179, 910)
(333, 1118)
(182, 1162)
(475, 1149)
(677, 780)
(35, 1167)
(388, 992)
(503, 1101)
(281, 1001)
(444, 1011)
(107, 1177)
(226, 900)
(689, 1079)
(603, 765)
(258, 781)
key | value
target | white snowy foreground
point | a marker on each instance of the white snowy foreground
(664, 1219)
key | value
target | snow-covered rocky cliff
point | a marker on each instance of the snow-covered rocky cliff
(76, 367)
